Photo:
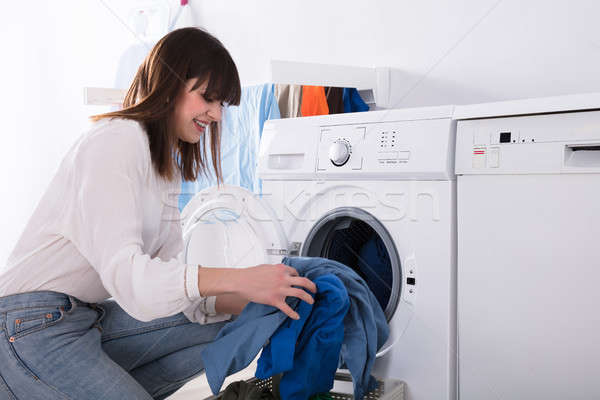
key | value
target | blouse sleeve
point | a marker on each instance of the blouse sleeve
(105, 223)
(202, 310)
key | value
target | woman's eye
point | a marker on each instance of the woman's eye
(210, 100)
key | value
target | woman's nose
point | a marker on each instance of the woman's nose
(215, 110)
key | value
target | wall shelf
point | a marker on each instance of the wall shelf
(103, 96)
(373, 83)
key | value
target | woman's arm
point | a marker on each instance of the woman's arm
(266, 284)
(230, 304)
(103, 219)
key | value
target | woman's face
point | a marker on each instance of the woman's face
(194, 111)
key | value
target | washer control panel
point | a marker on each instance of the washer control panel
(337, 148)
(339, 152)
(388, 140)
(376, 145)
(394, 148)
(390, 150)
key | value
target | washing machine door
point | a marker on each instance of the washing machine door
(228, 226)
(357, 239)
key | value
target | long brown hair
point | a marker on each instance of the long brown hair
(181, 55)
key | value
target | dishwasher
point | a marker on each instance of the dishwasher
(528, 277)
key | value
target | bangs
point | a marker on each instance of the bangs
(223, 80)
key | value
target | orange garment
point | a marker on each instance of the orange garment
(314, 101)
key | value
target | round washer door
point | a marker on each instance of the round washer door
(229, 226)
(357, 239)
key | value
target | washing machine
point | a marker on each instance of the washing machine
(375, 191)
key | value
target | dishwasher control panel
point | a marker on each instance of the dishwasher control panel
(546, 143)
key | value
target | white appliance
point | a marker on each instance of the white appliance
(528, 265)
(373, 190)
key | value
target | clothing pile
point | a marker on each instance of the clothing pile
(344, 328)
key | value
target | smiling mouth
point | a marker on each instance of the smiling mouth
(200, 125)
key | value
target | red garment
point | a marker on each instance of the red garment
(314, 101)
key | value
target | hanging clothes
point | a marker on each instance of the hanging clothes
(365, 329)
(335, 99)
(353, 102)
(314, 101)
(241, 130)
(289, 98)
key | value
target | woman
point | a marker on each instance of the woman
(108, 227)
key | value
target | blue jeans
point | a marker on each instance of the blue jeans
(54, 346)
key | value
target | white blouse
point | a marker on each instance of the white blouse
(109, 226)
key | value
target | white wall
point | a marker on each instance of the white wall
(467, 53)
(458, 51)
(50, 51)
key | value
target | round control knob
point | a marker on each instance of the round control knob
(339, 152)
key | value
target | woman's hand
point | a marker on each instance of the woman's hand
(266, 284)
(271, 283)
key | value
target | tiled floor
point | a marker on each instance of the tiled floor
(198, 388)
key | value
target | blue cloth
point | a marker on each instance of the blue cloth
(241, 130)
(376, 268)
(353, 102)
(360, 247)
(308, 350)
(238, 342)
(365, 329)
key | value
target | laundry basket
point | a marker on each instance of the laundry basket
(387, 389)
